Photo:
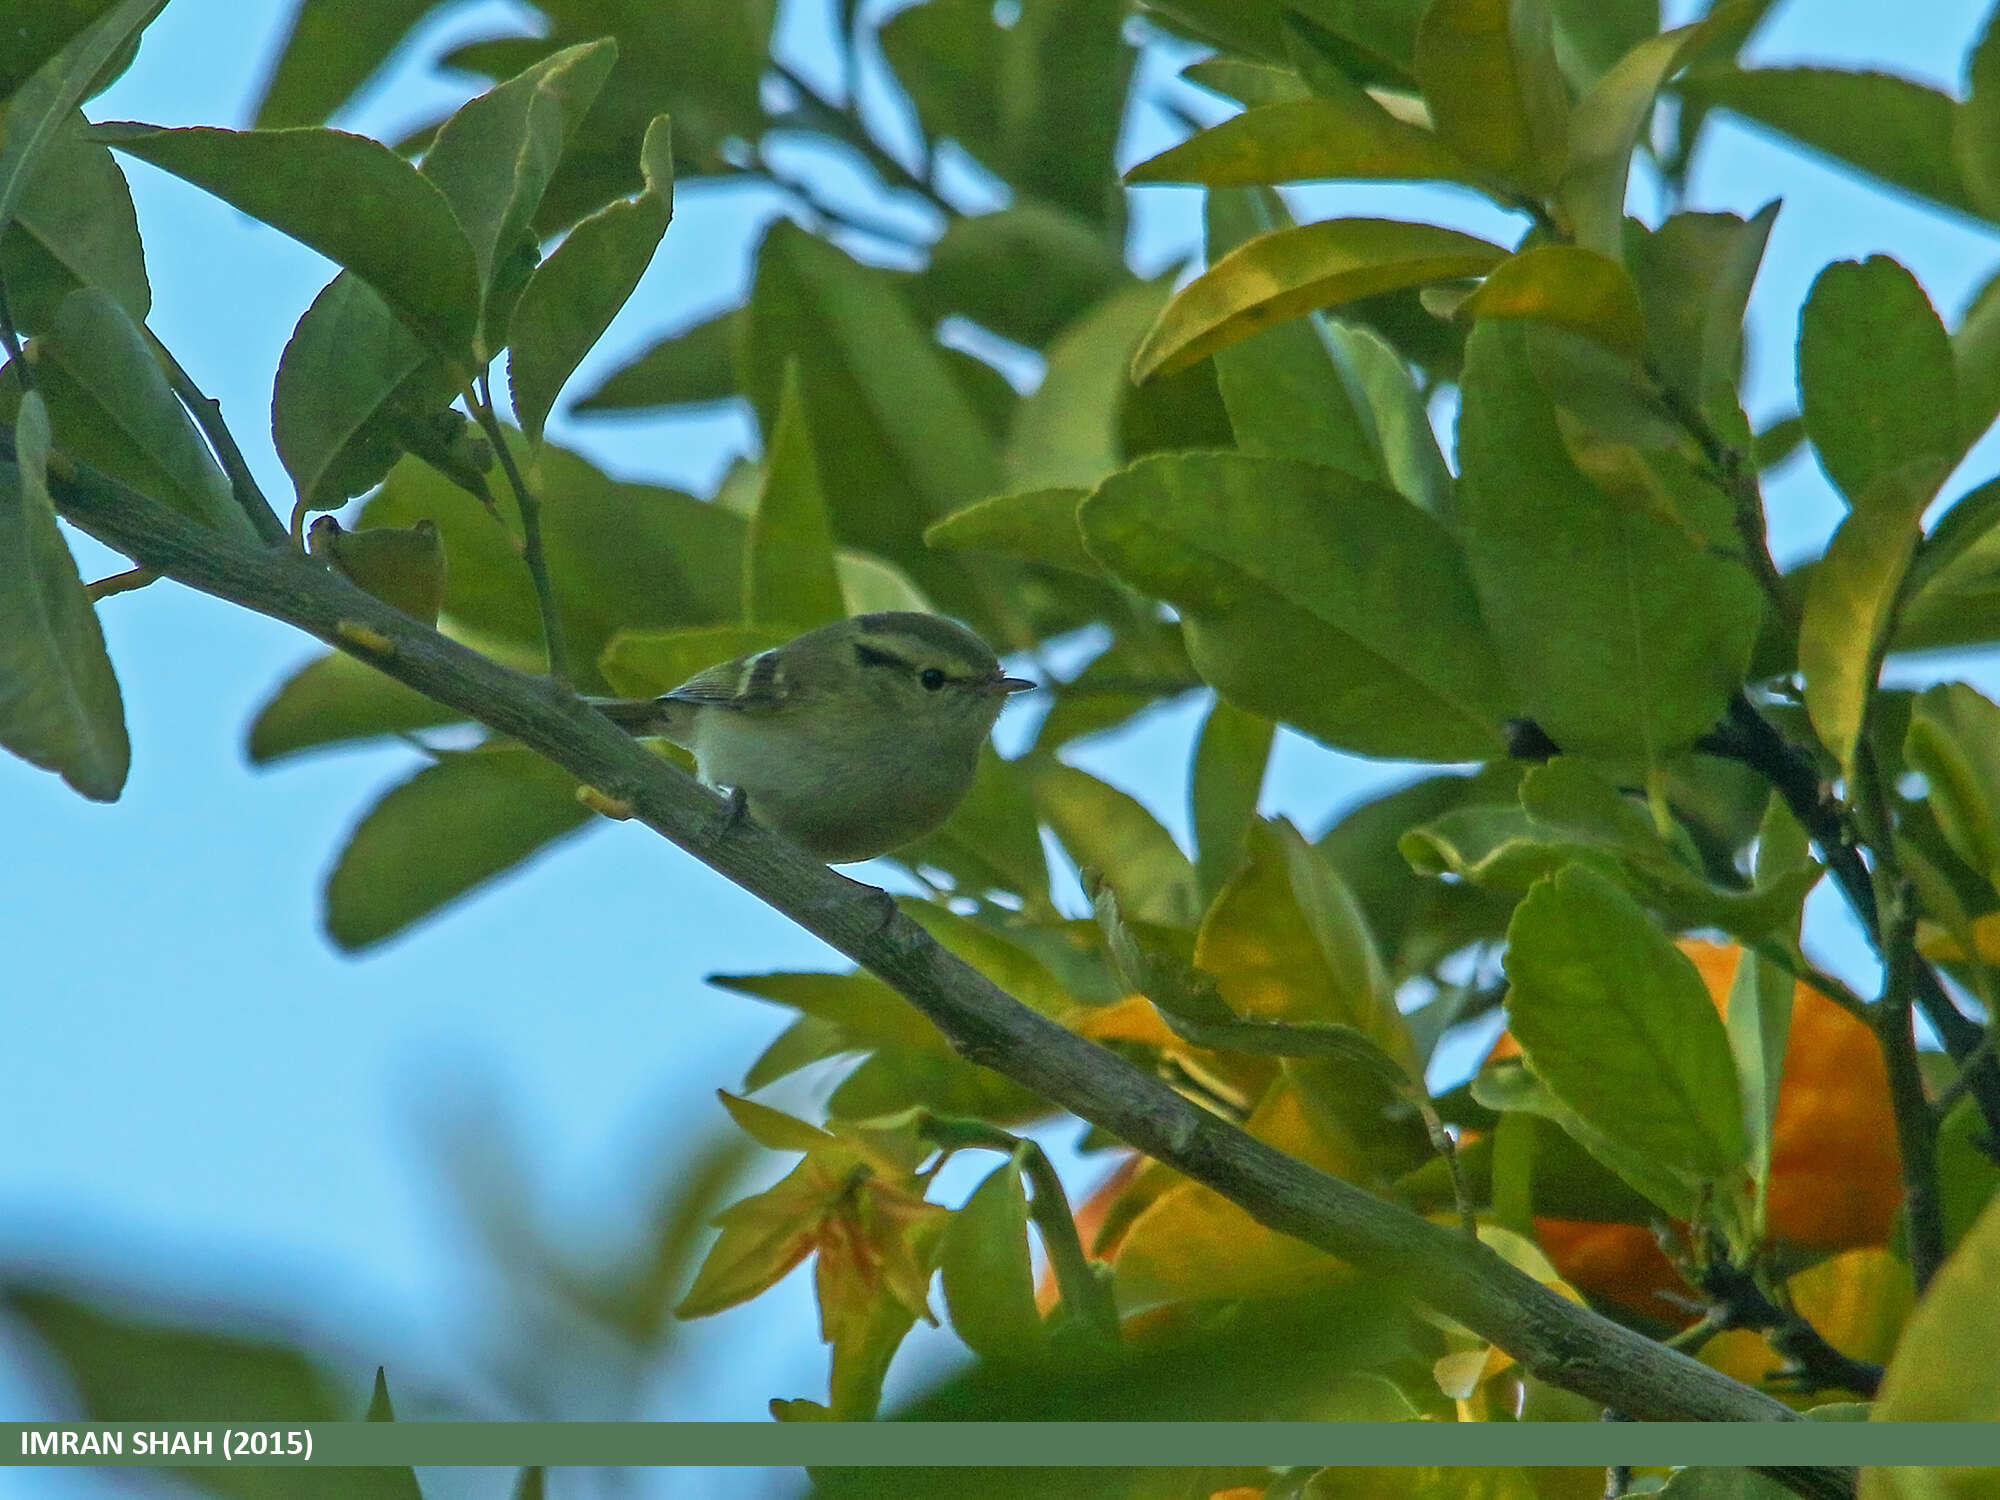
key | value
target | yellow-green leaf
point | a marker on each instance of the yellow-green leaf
(789, 581)
(1488, 72)
(1308, 140)
(1292, 271)
(1569, 287)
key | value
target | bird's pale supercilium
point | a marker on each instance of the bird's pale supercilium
(850, 740)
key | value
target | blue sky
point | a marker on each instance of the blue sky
(204, 1096)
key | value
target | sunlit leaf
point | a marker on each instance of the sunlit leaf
(1230, 760)
(1946, 1368)
(1850, 602)
(1292, 271)
(1488, 71)
(1035, 526)
(1066, 434)
(1110, 832)
(1569, 287)
(1308, 140)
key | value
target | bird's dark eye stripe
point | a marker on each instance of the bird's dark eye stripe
(869, 656)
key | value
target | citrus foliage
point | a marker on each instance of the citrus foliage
(1234, 485)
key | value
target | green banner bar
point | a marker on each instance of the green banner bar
(997, 1444)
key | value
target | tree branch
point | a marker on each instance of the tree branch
(1552, 1337)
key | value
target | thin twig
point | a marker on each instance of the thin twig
(1916, 1125)
(121, 583)
(531, 534)
(1736, 1300)
(818, 112)
(207, 414)
(1815, 979)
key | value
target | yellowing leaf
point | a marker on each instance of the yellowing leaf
(1291, 271)
(1569, 287)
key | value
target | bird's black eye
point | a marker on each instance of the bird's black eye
(931, 678)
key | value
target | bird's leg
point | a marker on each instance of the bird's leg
(735, 812)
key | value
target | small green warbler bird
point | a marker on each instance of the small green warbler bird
(850, 740)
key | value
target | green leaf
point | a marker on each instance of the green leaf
(1037, 99)
(73, 226)
(1286, 941)
(1566, 286)
(336, 700)
(1851, 600)
(1308, 140)
(646, 663)
(1488, 72)
(1975, 350)
(41, 106)
(1026, 272)
(1759, 1015)
(1954, 742)
(1569, 814)
(1945, 1368)
(331, 50)
(771, 1128)
(571, 297)
(39, 32)
(1976, 130)
(1894, 130)
(1513, 1089)
(1952, 595)
(1609, 123)
(1146, 664)
(1066, 434)
(989, 1287)
(403, 566)
(691, 368)
(350, 198)
(1968, 1179)
(1039, 526)
(1695, 273)
(1250, 84)
(1109, 832)
(348, 376)
(493, 160)
(1230, 759)
(111, 407)
(623, 556)
(1592, 35)
(1417, 921)
(1623, 633)
(1292, 271)
(1310, 596)
(1292, 391)
(448, 830)
(789, 583)
(1876, 382)
(128, 1370)
(1615, 1021)
(901, 442)
(60, 707)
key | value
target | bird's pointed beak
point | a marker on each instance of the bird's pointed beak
(1004, 685)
